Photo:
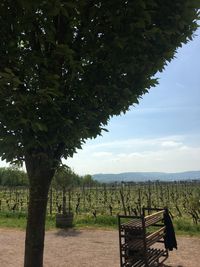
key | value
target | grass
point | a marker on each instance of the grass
(183, 226)
(12, 220)
(18, 220)
(102, 221)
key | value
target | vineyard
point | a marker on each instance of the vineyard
(182, 198)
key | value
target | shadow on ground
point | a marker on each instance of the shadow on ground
(166, 265)
(67, 232)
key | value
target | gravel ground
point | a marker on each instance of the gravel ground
(91, 248)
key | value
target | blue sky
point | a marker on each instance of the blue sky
(162, 133)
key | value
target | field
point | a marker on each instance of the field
(99, 205)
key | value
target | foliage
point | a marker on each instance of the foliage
(13, 177)
(88, 181)
(68, 66)
(63, 177)
(194, 200)
(106, 199)
(194, 206)
(92, 205)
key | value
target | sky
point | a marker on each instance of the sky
(160, 134)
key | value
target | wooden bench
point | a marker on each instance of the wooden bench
(138, 236)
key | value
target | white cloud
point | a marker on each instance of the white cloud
(136, 141)
(167, 154)
(171, 143)
(102, 154)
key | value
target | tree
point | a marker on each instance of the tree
(13, 176)
(63, 179)
(88, 181)
(66, 177)
(66, 67)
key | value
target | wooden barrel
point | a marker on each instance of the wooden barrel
(64, 220)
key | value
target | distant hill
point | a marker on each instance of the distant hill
(145, 176)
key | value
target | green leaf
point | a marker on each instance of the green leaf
(39, 127)
(78, 63)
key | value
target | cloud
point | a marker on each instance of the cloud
(102, 154)
(166, 154)
(171, 143)
(138, 143)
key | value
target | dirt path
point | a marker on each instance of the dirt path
(91, 248)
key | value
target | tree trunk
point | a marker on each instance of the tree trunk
(40, 173)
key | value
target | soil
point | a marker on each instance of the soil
(91, 248)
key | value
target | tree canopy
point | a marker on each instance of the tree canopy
(66, 178)
(12, 176)
(63, 178)
(68, 66)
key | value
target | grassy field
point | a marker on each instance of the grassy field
(183, 226)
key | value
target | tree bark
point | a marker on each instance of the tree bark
(40, 172)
